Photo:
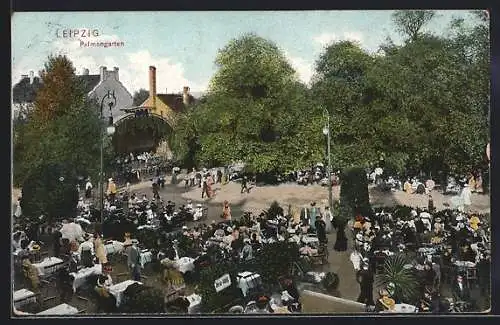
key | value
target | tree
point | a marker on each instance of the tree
(50, 190)
(64, 130)
(140, 96)
(255, 111)
(354, 197)
(410, 22)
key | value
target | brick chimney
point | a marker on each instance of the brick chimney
(103, 71)
(116, 73)
(32, 77)
(185, 95)
(152, 84)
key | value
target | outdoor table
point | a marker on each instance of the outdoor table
(23, 297)
(464, 264)
(49, 265)
(83, 274)
(194, 303)
(404, 309)
(113, 246)
(185, 264)
(62, 309)
(309, 239)
(118, 289)
(146, 257)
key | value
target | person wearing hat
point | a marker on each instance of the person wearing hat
(30, 273)
(313, 213)
(384, 302)
(111, 189)
(247, 251)
(88, 189)
(86, 251)
(465, 197)
(320, 226)
(226, 211)
(100, 250)
(460, 290)
(365, 279)
(133, 258)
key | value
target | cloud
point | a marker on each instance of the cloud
(326, 38)
(134, 66)
(303, 67)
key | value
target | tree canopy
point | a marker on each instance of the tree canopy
(63, 129)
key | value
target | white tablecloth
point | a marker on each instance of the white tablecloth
(23, 297)
(118, 289)
(464, 264)
(113, 247)
(404, 309)
(62, 309)
(146, 257)
(83, 274)
(194, 303)
(185, 264)
(49, 265)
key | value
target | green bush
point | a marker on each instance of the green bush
(354, 196)
(213, 301)
(148, 300)
(50, 190)
(404, 280)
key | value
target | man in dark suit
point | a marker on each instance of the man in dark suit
(460, 290)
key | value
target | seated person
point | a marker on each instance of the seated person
(384, 303)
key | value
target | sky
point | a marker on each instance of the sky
(183, 45)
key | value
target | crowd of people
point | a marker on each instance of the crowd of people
(450, 247)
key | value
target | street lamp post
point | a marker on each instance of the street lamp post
(110, 129)
(326, 132)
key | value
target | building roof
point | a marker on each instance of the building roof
(175, 101)
(89, 81)
(24, 91)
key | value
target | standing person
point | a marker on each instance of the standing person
(111, 189)
(226, 211)
(88, 189)
(327, 218)
(204, 189)
(57, 242)
(192, 176)
(19, 211)
(219, 176)
(472, 182)
(466, 197)
(30, 273)
(430, 205)
(244, 185)
(313, 215)
(365, 280)
(479, 182)
(341, 241)
(210, 182)
(100, 250)
(320, 226)
(156, 187)
(133, 259)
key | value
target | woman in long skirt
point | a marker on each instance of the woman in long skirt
(341, 242)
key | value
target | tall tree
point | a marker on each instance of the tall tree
(63, 131)
(253, 112)
(140, 96)
(410, 22)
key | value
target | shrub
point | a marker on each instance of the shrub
(147, 300)
(354, 196)
(51, 190)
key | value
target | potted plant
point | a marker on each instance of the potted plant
(400, 278)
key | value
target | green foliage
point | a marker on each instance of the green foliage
(149, 300)
(63, 130)
(354, 196)
(410, 22)
(406, 284)
(50, 190)
(140, 96)
(275, 260)
(330, 282)
(254, 112)
(133, 131)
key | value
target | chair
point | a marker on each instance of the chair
(471, 276)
